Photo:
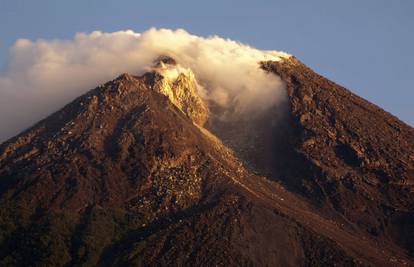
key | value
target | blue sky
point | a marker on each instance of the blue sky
(365, 45)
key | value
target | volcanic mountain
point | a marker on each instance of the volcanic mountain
(142, 171)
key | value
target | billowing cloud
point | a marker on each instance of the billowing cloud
(43, 75)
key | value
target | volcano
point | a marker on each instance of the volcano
(145, 171)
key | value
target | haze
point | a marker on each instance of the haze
(44, 75)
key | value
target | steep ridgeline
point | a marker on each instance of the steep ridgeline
(351, 156)
(126, 175)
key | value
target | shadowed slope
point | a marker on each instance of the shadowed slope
(353, 157)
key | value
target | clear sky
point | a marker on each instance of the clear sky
(365, 45)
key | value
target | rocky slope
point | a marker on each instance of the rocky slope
(359, 158)
(127, 175)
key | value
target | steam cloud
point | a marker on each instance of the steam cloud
(41, 76)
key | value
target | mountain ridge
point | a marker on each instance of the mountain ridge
(123, 175)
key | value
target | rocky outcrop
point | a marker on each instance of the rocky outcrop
(180, 86)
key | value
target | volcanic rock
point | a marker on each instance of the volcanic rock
(127, 175)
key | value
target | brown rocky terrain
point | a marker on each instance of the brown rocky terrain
(360, 158)
(138, 172)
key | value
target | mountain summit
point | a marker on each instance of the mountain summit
(146, 171)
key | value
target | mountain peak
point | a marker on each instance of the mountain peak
(165, 60)
(182, 89)
(128, 175)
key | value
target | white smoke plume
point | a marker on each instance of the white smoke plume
(43, 75)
